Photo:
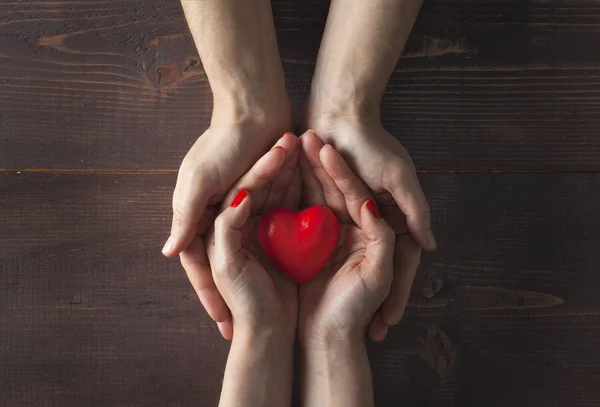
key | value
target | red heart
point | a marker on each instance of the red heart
(299, 244)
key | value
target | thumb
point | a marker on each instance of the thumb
(379, 251)
(187, 211)
(411, 200)
(228, 235)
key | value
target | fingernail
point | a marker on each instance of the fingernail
(431, 240)
(372, 207)
(384, 332)
(239, 198)
(224, 329)
(168, 247)
(329, 146)
(276, 147)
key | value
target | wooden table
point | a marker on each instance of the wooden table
(499, 103)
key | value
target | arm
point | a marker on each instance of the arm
(258, 372)
(337, 375)
(237, 44)
(362, 43)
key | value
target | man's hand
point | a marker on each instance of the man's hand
(386, 168)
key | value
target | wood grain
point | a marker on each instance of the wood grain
(506, 312)
(99, 102)
(495, 85)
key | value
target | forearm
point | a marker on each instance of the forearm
(337, 375)
(362, 43)
(259, 372)
(237, 44)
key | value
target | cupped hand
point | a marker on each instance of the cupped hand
(274, 180)
(230, 146)
(343, 299)
(385, 166)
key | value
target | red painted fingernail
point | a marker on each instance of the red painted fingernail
(276, 147)
(372, 206)
(239, 198)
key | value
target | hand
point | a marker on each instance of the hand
(217, 159)
(385, 166)
(260, 298)
(341, 301)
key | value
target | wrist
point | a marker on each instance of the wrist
(263, 337)
(326, 341)
(326, 107)
(338, 374)
(331, 347)
(267, 110)
(259, 370)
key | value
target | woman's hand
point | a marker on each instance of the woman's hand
(342, 300)
(260, 298)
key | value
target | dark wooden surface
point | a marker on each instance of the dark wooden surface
(499, 104)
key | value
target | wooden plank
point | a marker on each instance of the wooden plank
(506, 312)
(496, 85)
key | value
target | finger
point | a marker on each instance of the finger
(354, 191)
(407, 257)
(409, 196)
(313, 190)
(188, 207)
(379, 250)
(283, 180)
(226, 329)
(378, 329)
(263, 172)
(195, 262)
(311, 145)
(228, 258)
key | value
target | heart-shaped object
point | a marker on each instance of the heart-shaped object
(299, 243)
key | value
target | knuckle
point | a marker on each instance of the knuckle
(220, 222)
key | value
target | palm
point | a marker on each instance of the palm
(277, 295)
(332, 298)
(274, 295)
